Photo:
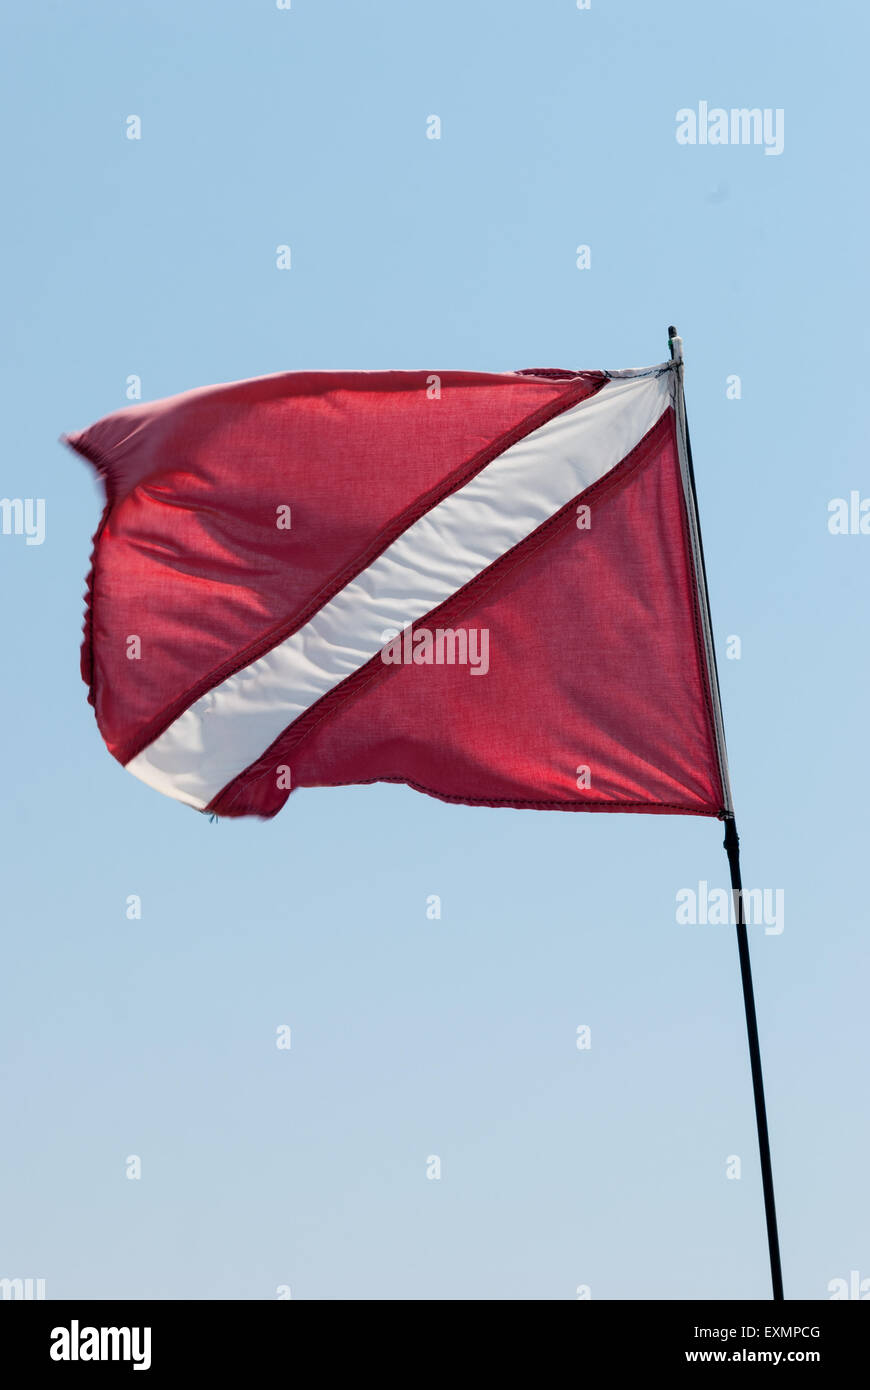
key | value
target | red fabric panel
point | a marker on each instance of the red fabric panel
(595, 660)
(188, 556)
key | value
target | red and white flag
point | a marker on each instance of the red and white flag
(486, 586)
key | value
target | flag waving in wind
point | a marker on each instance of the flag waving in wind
(486, 586)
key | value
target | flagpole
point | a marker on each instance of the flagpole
(731, 842)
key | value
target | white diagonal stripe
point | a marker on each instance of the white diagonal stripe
(230, 727)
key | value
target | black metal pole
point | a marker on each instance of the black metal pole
(732, 848)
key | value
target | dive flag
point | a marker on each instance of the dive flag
(487, 586)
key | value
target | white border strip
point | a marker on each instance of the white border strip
(228, 728)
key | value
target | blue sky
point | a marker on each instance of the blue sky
(307, 1168)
